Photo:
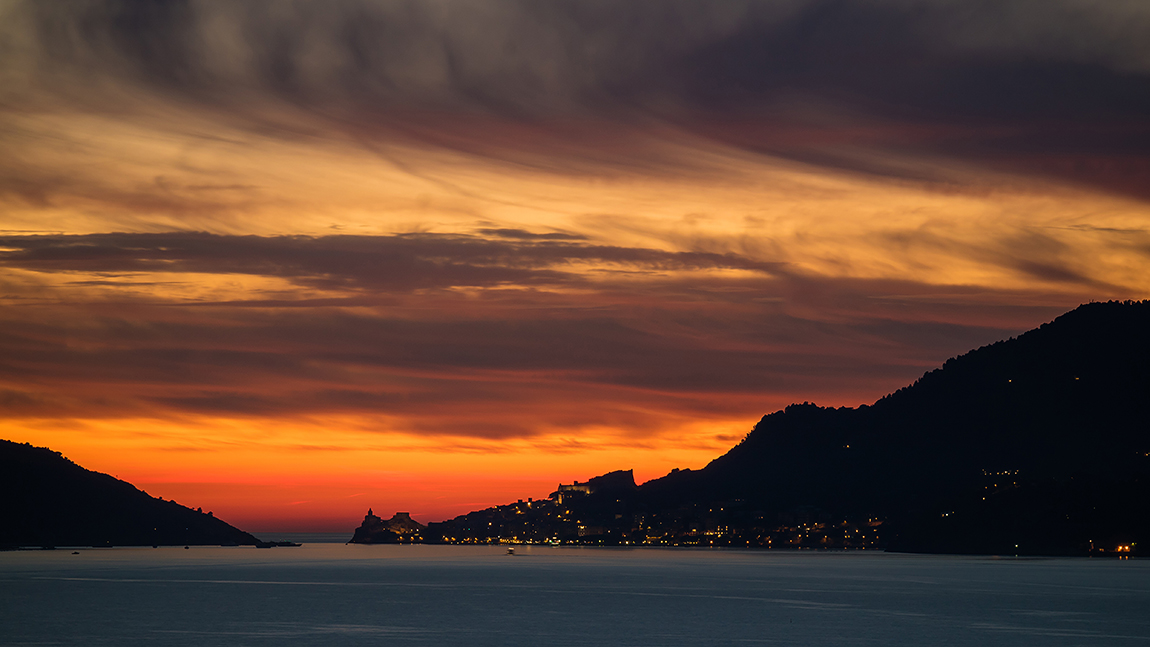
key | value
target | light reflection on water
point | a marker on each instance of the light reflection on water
(335, 594)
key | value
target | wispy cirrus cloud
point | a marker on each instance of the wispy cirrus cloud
(1060, 88)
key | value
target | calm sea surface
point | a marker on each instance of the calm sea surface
(332, 594)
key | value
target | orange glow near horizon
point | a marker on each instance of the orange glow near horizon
(265, 476)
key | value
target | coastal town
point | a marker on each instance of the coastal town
(605, 512)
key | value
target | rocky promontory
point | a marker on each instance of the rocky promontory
(399, 529)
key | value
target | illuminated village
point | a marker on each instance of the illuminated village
(605, 512)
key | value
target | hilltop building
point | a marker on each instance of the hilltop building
(619, 480)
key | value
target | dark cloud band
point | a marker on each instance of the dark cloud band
(400, 262)
(541, 346)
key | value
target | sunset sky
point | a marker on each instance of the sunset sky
(288, 260)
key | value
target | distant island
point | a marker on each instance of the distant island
(1037, 445)
(47, 500)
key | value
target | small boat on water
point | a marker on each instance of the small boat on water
(510, 550)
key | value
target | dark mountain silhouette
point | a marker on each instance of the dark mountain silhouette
(1035, 445)
(47, 500)
(1040, 441)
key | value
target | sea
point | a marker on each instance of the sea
(329, 593)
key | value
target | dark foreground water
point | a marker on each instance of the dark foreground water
(331, 594)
